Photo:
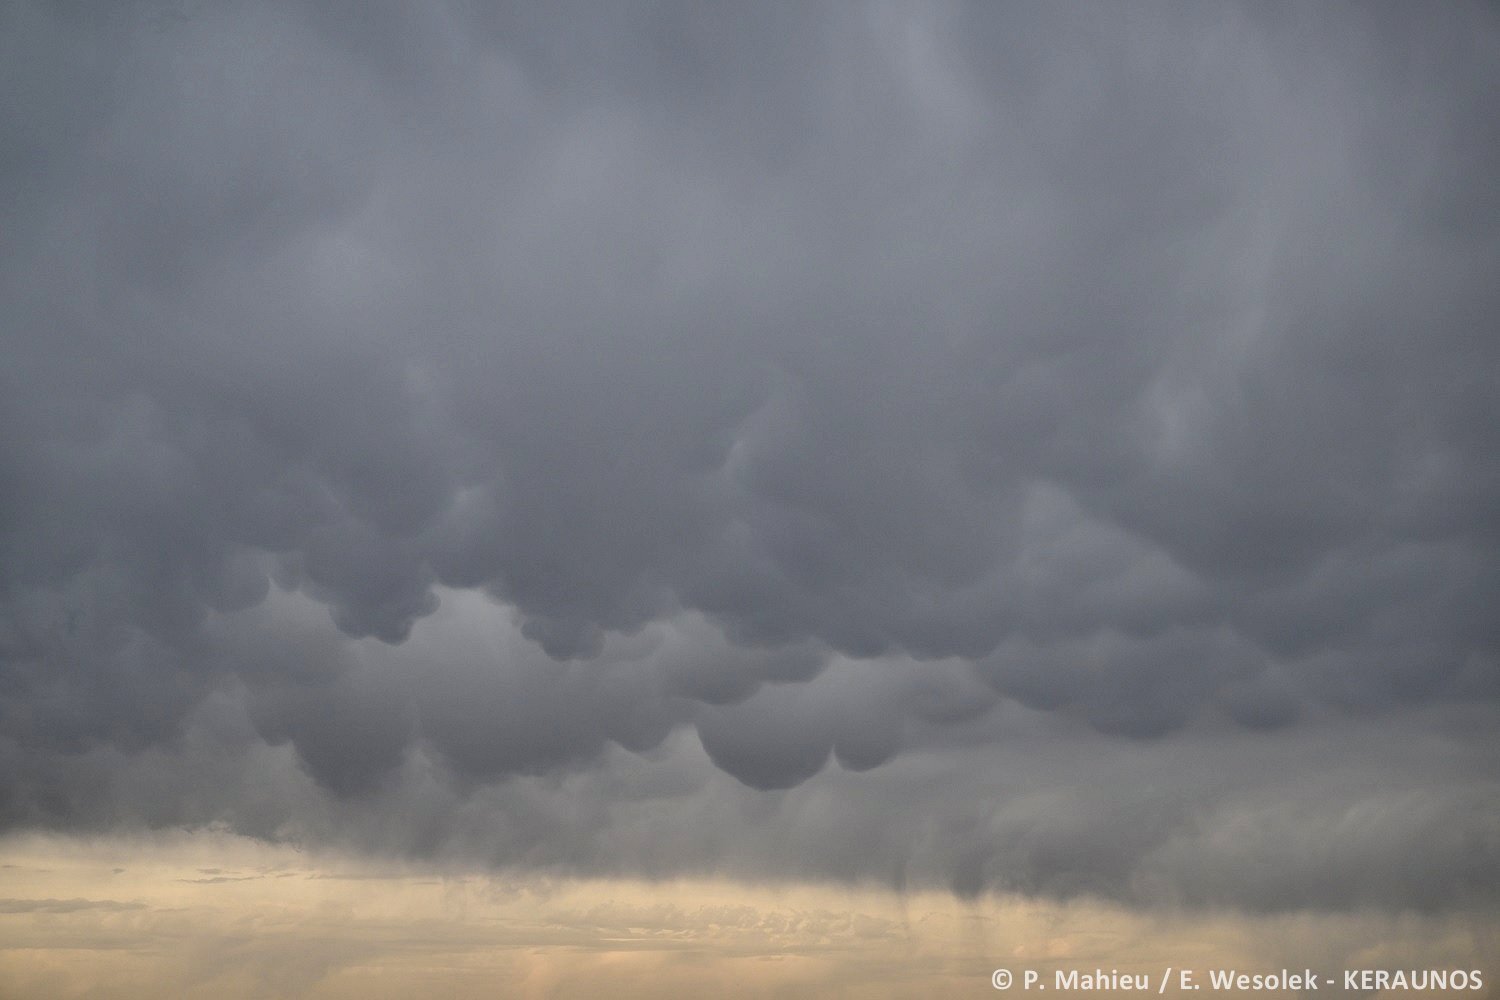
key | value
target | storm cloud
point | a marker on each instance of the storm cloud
(1033, 448)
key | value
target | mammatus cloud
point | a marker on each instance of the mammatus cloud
(1027, 449)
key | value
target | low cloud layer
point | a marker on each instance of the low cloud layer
(995, 448)
(231, 919)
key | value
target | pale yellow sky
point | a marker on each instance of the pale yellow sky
(210, 915)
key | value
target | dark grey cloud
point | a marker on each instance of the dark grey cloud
(475, 429)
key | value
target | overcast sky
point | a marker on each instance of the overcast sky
(980, 448)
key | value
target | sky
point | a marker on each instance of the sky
(1033, 465)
